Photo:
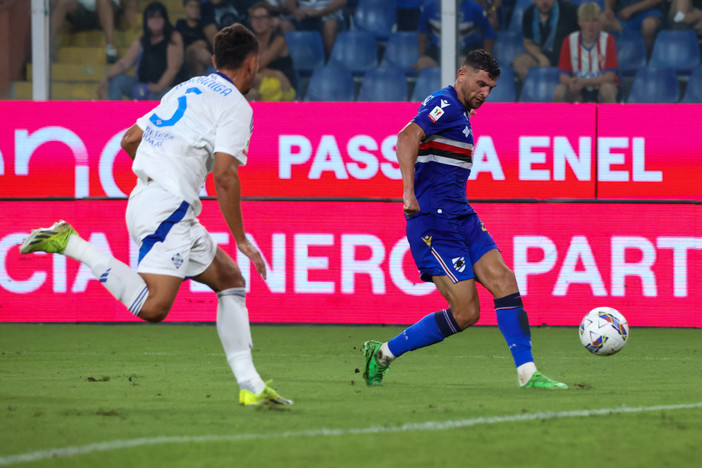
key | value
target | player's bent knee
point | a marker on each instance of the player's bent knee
(466, 318)
(154, 312)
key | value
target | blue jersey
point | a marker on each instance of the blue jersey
(445, 155)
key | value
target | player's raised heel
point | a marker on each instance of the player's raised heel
(374, 372)
(538, 380)
(51, 240)
(267, 397)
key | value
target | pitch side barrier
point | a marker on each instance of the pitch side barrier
(609, 212)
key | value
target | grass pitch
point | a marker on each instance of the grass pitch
(163, 395)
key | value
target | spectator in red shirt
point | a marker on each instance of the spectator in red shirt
(588, 61)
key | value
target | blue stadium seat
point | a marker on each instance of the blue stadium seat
(505, 91)
(306, 50)
(631, 52)
(376, 17)
(402, 51)
(386, 83)
(508, 45)
(540, 84)
(676, 49)
(330, 83)
(654, 85)
(601, 3)
(428, 81)
(693, 92)
(356, 50)
(515, 24)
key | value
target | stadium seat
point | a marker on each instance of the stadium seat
(676, 49)
(306, 50)
(508, 45)
(428, 81)
(386, 83)
(402, 51)
(505, 91)
(631, 52)
(330, 83)
(355, 50)
(376, 17)
(540, 84)
(515, 24)
(693, 92)
(653, 84)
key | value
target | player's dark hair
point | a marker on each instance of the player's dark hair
(151, 10)
(233, 45)
(480, 59)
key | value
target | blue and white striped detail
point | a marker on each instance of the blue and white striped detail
(135, 307)
(444, 266)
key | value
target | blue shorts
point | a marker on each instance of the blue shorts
(636, 21)
(447, 246)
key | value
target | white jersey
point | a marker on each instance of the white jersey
(196, 119)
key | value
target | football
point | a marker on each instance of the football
(604, 331)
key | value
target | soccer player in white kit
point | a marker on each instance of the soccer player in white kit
(201, 126)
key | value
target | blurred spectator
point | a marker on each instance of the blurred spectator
(545, 25)
(282, 19)
(637, 15)
(218, 14)
(493, 8)
(474, 30)
(158, 54)
(326, 16)
(276, 78)
(686, 14)
(86, 15)
(408, 13)
(588, 61)
(197, 54)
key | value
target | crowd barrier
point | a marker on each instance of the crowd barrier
(613, 217)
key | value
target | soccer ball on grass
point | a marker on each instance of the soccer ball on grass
(604, 331)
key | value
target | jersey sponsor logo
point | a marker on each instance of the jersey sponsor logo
(427, 240)
(482, 225)
(459, 264)
(436, 114)
(444, 103)
(466, 131)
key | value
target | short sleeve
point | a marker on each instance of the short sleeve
(234, 132)
(435, 115)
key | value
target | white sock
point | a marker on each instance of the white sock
(525, 371)
(123, 283)
(386, 357)
(235, 334)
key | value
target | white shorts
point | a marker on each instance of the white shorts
(170, 238)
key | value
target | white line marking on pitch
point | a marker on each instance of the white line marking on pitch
(409, 427)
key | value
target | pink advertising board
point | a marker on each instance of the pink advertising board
(348, 262)
(346, 150)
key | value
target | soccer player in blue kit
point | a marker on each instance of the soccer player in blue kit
(449, 243)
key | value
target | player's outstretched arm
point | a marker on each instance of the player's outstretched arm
(228, 187)
(407, 147)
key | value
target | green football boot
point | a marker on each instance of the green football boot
(373, 374)
(538, 380)
(50, 240)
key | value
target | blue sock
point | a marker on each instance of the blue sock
(514, 325)
(433, 328)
